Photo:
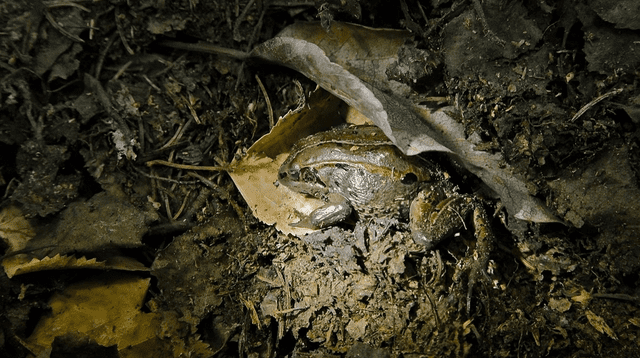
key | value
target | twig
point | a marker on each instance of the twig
(122, 70)
(60, 29)
(125, 43)
(424, 16)
(197, 203)
(223, 194)
(266, 99)
(236, 26)
(302, 99)
(485, 25)
(184, 204)
(55, 24)
(185, 166)
(409, 23)
(103, 54)
(118, 124)
(256, 29)
(290, 310)
(12, 182)
(173, 140)
(151, 176)
(192, 110)
(167, 205)
(455, 10)
(155, 87)
(595, 101)
(206, 48)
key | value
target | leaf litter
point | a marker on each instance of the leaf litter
(517, 88)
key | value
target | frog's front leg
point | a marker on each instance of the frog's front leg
(336, 210)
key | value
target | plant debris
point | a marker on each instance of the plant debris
(139, 215)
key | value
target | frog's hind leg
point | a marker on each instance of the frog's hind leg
(477, 265)
(435, 216)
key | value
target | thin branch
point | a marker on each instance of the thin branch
(185, 166)
(206, 48)
(595, 101)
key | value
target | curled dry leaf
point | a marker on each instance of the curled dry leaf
(23, 264)
(256, 173)
(350, 62)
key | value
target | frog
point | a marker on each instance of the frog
(359, 169)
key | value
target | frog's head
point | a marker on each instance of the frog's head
(301, 179)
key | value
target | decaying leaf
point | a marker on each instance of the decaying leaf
(58, 42)
(364, 52)
(103, 223)
(414, 129)
(623, 13)
(609, 49)
(368, 98)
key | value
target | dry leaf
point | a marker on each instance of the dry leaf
(365, 52)
(600, 325)
(559, 304)
(106, 309)
(15, 229)
(24, 263)
(256, 173)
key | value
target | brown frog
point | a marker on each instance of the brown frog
(359, 169)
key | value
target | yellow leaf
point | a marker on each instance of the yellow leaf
(15, 229)
(600, 325)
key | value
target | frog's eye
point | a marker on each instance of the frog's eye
(293, 173)
(409, 178)
(309, 175)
